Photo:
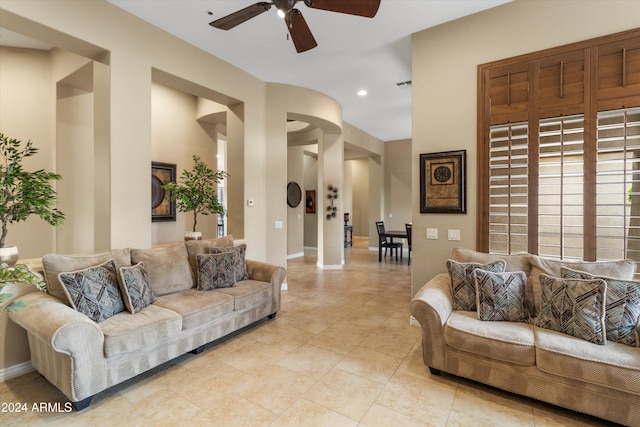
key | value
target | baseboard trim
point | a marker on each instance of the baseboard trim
(16, 371)
(329, 266)
(413, 321)
(298, 255)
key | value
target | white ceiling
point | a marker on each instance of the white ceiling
(353, 53)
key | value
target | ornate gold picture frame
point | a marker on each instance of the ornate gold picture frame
(443, 186)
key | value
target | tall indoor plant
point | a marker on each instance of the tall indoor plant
(196, 192)
(23, 193)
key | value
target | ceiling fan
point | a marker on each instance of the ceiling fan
(297, 26)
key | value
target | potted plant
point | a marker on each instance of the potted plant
(195, 192)
(23, 193)
(18, 274)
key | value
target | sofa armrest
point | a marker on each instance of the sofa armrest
(66, 346)
(273, 274)
(431, 306)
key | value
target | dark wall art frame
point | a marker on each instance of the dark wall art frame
(310, 201)
(443, 186)
(162, 207)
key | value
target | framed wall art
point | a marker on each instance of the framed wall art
(162, 207)
(310, 201)
(443, 187)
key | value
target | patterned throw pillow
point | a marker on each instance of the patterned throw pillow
(574, 307)
(501, 296)
(463, 283)
(622, 307)
(216, 270)
(94, 291)
(135, 287)
(240, 267)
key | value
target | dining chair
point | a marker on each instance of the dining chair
(387, 244)
(408, 228)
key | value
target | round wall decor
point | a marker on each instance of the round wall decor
(294, 194)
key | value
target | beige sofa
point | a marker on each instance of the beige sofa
(82, 357)
(600, 380)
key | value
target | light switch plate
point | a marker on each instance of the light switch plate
(454, 234)
(432, 233)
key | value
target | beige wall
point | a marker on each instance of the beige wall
(360, 217)
(444, 67)
(26, 103)
(397, 183)
(311, 184)
(295, 215)
(176, 137)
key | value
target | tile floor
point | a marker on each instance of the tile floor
(341, 352)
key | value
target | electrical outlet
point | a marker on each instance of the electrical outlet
(432, 233)
(454, 234)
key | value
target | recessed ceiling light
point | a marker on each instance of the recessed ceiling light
(362, 92)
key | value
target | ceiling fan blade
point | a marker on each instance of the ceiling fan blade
(300, 32)
(366, 8)
(237, 18)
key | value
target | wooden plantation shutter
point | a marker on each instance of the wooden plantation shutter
(561, 187)
(618, 185)
(508, 188)
(559, 151)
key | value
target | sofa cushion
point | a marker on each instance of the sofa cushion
(136, 290)
(623, 269)
(507, 341)
(94, 291)
(197, 308)
(240, 267)
(167, 268)
(501, 296)
(622, 306)
(248, 294)
(54, 264)
(126, 333)
(216, 270)
(463, 284)
(515, 262)
(574, 307)
(195, 247)
(612, 365)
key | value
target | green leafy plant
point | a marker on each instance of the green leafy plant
(195, 192)
(21, 273)
(24, 193)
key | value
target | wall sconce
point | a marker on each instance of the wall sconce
(332, 194)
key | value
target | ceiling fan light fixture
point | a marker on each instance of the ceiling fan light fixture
(281, 13)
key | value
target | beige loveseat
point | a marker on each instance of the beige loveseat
(520, 357)
(82, 357)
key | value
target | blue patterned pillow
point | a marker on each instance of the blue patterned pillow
(136, 288)
(240, 267)
(463, 282)
(574, 307)
(622, 307)
(216, 270)
(94, 291)
(501, 296)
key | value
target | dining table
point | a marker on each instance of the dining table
(390, 234)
